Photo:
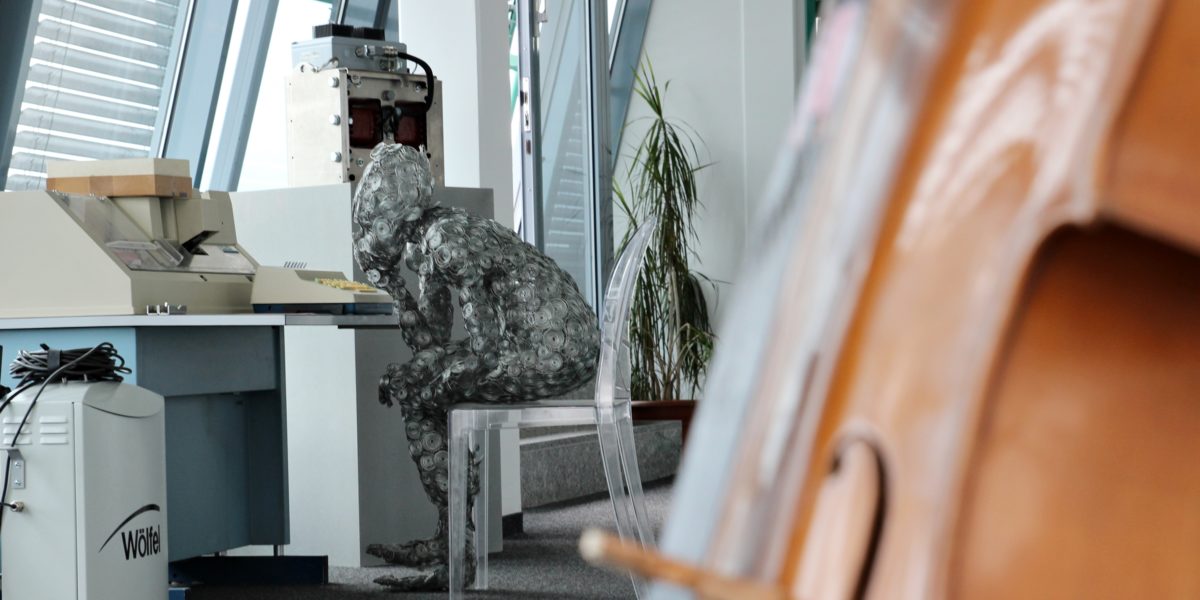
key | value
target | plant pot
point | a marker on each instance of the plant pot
(665, 410)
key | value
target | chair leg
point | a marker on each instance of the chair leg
(633, 476)
(608, 429)
(460, 461)
(610, 454)
(482, 507)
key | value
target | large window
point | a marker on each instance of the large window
(264, 165)
(110, 79)
(264, 161)
(248, 143)
(98, 84)
(577, 63)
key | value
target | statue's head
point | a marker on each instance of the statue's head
(396, 188)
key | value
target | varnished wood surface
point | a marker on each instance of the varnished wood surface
(1005, 153)
(1152, 175)
(1085, 481)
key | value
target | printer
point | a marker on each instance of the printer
(131, 237)
(120, 237)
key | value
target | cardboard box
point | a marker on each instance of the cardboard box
(161, 177)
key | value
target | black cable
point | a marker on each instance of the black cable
(3, 390)
(8, 398)
(99, 363)
(14, 393)
(3, 502)
(428, 77)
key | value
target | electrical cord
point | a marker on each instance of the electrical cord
(389, 119)
(99, 363)
(429, 80)
(3, 390)
(9, 397)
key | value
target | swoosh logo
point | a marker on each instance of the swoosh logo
(145, 509)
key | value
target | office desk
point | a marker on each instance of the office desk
(223, 380)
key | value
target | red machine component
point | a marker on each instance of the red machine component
(366, 119)
(411, 128)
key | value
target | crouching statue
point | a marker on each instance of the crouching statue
(530, 333)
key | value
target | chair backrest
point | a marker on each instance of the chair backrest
(612, 372)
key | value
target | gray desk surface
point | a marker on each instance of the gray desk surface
(233, 320)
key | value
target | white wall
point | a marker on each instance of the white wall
(734, 69)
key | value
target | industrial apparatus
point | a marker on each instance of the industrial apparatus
(350, 91)
(85, 494)
(120, 237)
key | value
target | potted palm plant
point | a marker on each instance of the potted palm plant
(670, 336)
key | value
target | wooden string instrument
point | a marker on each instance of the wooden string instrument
(973, 366)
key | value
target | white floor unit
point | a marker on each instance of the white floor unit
(91, 475)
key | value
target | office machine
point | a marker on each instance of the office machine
(349, 91)
(120, 237)
(89, 478)
(283, 290)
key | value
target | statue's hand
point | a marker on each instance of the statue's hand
(385, 386)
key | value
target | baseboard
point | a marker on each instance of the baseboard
(565, 464)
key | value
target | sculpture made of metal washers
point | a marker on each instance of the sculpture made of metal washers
(530, 333)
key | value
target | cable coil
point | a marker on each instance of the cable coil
(99, 363)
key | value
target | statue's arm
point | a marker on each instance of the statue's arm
(482, 321)
(434, 306)
(414, 327)
(404, 298)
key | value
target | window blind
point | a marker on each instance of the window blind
(99, 75)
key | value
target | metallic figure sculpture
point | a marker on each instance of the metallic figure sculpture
(530, 334)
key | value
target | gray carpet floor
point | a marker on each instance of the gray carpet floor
(540, 563)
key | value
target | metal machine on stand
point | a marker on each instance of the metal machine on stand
(351, 91)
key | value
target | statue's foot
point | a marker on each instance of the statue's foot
(437, 580)
(416, 554)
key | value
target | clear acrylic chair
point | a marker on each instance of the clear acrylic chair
(472, 424)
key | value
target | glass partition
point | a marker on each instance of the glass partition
(567, 215)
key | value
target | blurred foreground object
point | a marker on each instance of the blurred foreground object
(962, 361)
(603, 549)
